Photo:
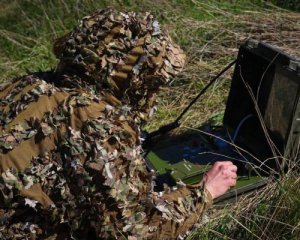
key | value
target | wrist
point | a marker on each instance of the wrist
(207, 186)
(210, 191)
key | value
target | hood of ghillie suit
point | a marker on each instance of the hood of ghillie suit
(125, 53)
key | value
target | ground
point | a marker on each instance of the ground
(210, 32)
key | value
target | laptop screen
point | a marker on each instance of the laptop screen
(262, 98)
(280, 106)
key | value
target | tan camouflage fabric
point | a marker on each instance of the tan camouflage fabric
(71, 164)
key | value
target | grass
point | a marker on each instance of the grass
(272, 213)
(210, 33)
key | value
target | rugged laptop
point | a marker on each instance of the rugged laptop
(260, 130)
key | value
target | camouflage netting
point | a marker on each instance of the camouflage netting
(125, 52)
(71, 164)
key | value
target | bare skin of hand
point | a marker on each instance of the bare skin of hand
(220, 178)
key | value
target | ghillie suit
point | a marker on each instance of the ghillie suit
(70, 152)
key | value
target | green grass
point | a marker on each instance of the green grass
(28, 28)
(210, 33)
(271, 214)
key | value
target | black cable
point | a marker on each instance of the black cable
(176, 123)
(204, 90)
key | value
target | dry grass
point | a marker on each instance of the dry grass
(206, 57)
(271, 213)
(210, 32)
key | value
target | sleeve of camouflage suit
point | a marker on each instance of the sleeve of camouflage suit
(70, 155)
(71, 165)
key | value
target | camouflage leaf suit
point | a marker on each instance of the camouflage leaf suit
(70, 152)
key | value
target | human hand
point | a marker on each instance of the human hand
(220, 178)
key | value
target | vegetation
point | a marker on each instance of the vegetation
(210, 33)
(290, 4)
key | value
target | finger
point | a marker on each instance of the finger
(232, 182)
(222, 163)
(234, 176)
(226, 163)
(217, 164)
(230, 174)
(233, 168)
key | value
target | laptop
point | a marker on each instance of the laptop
(260, 129)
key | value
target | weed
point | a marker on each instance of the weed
(210, 33)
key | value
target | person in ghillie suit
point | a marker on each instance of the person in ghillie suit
(70, 152)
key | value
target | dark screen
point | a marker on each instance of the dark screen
(280, 105)
(274, 89)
